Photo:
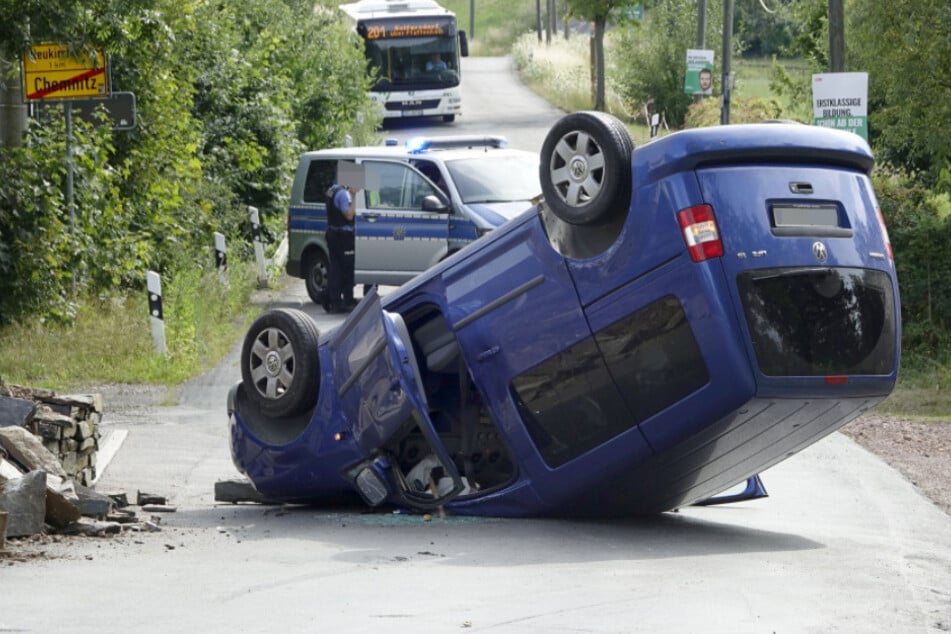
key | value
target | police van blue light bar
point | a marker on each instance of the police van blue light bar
(421, 144)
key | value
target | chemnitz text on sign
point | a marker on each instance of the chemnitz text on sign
(58, 71)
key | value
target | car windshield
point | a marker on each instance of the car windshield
(490, 178)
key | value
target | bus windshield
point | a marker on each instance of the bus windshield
(413, 60)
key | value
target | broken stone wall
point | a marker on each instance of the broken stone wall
(68, 426)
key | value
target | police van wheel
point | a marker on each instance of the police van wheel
(585, 168)
(449, 118)
(279, 364)
(315, 276)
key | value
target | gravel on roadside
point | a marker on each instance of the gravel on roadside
(919, 450)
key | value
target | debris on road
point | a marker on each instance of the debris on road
(48, 449)
(67, 425)
(238, 490)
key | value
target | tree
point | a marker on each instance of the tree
(651, 59)
(227, 95)
(765, 27)
(905, 46)
(598, 12)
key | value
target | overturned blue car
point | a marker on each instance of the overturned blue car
(667, 322)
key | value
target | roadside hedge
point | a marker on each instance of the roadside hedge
(227, 95)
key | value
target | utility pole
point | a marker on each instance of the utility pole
(538, 19)
(565, 20)
(701, 23)
(548, 21)
(836, 36)
(726, 84)
(12, 108)
(701, 33)
(472, 19)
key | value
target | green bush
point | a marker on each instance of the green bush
(227, 96)
(919, 224)
(649, 62)
(742, 110)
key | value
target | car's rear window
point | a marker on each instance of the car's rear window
(814, 322)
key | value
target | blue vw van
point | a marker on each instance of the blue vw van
(668, 322)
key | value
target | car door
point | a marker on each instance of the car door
(396, 238)
(380, 392)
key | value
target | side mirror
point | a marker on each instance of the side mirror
(463, 44)
(433, 203)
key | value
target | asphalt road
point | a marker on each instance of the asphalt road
(843, 543)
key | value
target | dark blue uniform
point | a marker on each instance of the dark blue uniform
(340, 245)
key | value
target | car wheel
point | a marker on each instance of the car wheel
(279, 363)
(585, 168)
(315, 276)
(449, 118)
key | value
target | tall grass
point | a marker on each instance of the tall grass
(497, 23)
(110, 340)
(561, 73)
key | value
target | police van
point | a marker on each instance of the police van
(416, 204)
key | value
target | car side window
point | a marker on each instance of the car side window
(431, 171)
(320, 176)
(395, 186)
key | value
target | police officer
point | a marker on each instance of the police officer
(341, 210)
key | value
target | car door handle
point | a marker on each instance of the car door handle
(370, 217)
(488, 353)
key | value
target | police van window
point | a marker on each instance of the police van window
(320, 176)
(395, 186)
(431, 171)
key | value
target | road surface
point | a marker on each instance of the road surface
(843, 543)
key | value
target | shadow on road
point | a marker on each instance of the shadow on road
(465, 541)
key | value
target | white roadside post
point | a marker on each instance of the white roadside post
(258, 247)
(154, 284)
(221, 253)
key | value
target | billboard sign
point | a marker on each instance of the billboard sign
(840, 100)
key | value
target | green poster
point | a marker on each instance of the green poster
(699, 77)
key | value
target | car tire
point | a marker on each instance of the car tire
(585, 168)
(279, 362)
(449, 118)
(315, 276)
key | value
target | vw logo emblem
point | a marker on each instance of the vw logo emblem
(819, 250)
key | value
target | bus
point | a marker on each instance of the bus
(413, 48)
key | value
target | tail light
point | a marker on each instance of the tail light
(888, 242)
(699, 227)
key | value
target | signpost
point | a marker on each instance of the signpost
(119, 106)
(55, 71)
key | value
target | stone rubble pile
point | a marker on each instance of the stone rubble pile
(48, 447)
